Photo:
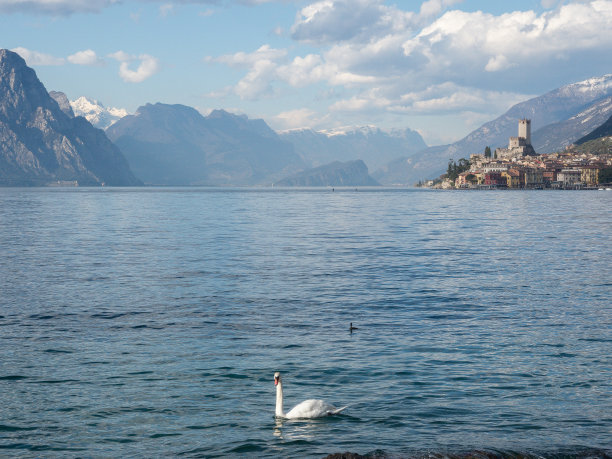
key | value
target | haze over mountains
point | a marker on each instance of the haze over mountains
(374, 146)
(43, 139)
(176, 145)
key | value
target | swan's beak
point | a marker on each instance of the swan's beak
(276, 381)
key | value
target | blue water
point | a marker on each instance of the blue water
(150, 322)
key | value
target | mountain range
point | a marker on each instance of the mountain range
(45, 138)
(41, 144)
(176, 145)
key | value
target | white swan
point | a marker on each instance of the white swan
(307, 409)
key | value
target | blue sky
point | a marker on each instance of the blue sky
(442, 67)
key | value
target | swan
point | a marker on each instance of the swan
(307, 409)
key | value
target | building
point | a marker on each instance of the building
(518, 146)
(513, 178)
(534, 178)
(495, 179)
(495, 166)
(569, 178)
(590, 175)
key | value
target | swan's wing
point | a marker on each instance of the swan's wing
(312, 409)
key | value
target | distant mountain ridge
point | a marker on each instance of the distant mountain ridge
(376, 147)
(558, 118)
(176, 145)
(41, 144)
(350, 173)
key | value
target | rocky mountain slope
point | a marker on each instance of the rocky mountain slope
(370, 144)
(96, 113)
(350, 173)
(63, 102)
(176, 145)
(605, 130)
(41, 144)
(558, 118)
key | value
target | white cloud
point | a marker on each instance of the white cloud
(86, 57)
(442, 98)
(333, 21)
(262, 67)
(496, 43)
(496, 63)
(258, 81)
(434, 7)
(147, 66)
(242, 59)
(303, 71)
(36, 58)
(437, 61)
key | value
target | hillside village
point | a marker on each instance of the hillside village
(518, 166)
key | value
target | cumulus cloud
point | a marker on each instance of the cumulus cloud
(434, 7)
(496, 43)
(86, 57)
(262, 66)
(434, 60)
(450, 97)
(36, 58)
(331, 21)
(147, 66)
(242, 59)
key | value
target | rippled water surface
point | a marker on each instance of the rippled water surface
(150, 322)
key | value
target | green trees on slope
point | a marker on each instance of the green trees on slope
(454, 169)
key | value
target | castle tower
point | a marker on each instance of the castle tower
(524, 130)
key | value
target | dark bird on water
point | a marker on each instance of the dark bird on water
(351, 328)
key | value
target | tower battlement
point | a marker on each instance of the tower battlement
(524, 130)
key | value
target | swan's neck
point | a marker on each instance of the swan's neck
(279, 400)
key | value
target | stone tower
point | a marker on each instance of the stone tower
(524, 130)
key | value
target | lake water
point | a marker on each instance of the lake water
(150, 322)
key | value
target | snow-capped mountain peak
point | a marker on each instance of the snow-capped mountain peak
(592, 86)
(96, 113)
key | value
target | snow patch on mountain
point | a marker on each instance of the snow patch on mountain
(96, 113)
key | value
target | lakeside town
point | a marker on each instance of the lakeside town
(519, 167)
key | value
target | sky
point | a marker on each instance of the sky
(441, 67)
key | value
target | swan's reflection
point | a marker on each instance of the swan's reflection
(303, 429)
(278, 423)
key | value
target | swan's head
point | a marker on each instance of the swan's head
(276, 378)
